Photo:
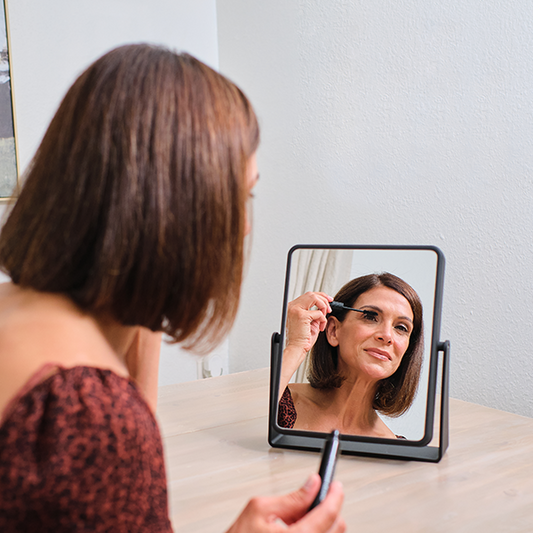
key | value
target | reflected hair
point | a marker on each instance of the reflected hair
(395, 394)
(135, 202)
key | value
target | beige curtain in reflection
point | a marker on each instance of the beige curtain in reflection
(318, 270)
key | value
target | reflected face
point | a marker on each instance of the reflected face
(252, 175)
(373, 345)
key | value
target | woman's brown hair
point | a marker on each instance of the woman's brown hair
(396, 393)
(135, 202)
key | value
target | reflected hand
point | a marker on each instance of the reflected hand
(263, 515)
(306, 318)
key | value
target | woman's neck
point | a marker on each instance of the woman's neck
(118, 336)
(352, 404)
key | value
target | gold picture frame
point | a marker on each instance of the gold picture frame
(9, 165)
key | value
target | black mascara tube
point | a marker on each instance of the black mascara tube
(327, 466)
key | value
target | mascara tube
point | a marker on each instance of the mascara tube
(327, 466)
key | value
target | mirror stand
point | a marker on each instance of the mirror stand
(357, 445)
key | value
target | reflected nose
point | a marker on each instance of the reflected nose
(385, 334)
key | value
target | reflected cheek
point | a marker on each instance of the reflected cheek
(402, 348)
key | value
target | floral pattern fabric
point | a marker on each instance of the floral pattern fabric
(81, 451)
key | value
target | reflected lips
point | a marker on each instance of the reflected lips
(379, 354)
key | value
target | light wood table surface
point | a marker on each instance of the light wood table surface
(215, 438)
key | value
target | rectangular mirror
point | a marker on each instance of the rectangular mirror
(390, 347)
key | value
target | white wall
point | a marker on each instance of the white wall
(52, 42)
(406, 122)
(55, 40)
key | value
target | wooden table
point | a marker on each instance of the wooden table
(215, 438)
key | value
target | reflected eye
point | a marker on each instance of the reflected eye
(370, 315)
(403, 329)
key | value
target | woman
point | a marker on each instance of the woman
(363, 360)
(130, 223)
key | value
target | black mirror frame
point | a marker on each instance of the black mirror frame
(420, 450)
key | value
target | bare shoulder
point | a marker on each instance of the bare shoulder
(298, 390)
(40, 328)
(303, 393)
(311, 406)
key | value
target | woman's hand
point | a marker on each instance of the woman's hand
(306, 318)
(263, 515)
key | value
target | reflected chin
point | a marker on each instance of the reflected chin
(377, 370)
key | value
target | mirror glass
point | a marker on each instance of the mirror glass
(326, 269)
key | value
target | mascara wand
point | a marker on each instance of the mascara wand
(342, 307)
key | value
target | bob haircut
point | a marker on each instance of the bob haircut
(135, 202)
(395, 394)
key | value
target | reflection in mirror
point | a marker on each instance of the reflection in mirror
(364, 370)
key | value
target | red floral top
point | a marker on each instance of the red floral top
(286, 410)
(81, 451)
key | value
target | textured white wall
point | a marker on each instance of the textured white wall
(406, 122)
(54, 41)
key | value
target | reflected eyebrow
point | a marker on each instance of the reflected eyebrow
(379, 310)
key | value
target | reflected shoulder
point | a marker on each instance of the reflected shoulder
(304, 393)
